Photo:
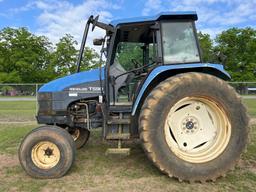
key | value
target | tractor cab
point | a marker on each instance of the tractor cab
(138, 46)
(134, 55)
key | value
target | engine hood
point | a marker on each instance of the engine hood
(71, 80)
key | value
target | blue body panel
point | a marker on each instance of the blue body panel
(155, 72)
(70, 80)
(152, 18)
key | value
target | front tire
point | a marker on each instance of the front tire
(47, 152)
(193, 127)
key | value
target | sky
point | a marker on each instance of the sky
(55, 18)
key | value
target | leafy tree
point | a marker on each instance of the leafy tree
(10, 77)
(63, 59)
(239, 46)
(23, 56)
(90, 59)
(206, 45)
(27, 58)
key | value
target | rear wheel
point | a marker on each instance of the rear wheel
(194, 127)
(47, 152)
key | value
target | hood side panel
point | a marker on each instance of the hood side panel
(72, 80)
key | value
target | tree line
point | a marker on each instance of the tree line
(29, 58)
(235, 48)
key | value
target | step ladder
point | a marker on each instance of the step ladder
(119, 136)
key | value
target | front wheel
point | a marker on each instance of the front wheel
(194, 127)
(80, 136)
(47, 152)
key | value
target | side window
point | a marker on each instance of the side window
(152, 52)
(127, 53)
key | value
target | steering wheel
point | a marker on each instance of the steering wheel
(137, 66)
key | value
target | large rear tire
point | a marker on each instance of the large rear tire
(193, 127)
(47, 152)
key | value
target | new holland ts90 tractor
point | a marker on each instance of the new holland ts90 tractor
(191, 123)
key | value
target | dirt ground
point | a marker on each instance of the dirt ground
(253, 121)
(8, 161)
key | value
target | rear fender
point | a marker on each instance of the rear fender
(161, 73)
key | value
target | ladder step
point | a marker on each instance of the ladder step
(120, 108)
(119, 121)
(121, 151)
(115, 136)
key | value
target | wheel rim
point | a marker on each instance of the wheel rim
(75, 134)
(45, 155)
(197, 129)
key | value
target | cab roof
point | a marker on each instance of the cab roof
(191, 15)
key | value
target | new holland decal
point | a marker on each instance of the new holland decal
(73, 91)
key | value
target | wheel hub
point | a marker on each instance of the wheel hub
(190, 125)
(196, 129)
(48, 152)
(45, 155)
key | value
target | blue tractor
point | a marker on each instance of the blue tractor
(154, 86)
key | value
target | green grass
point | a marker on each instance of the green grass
(17, 110)
(251, 106)
(11, 136)
(93, 171)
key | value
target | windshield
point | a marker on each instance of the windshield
(179, 43)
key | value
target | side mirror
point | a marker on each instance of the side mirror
(98, 42)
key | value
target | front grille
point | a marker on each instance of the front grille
(44, 103)
(44, 96)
